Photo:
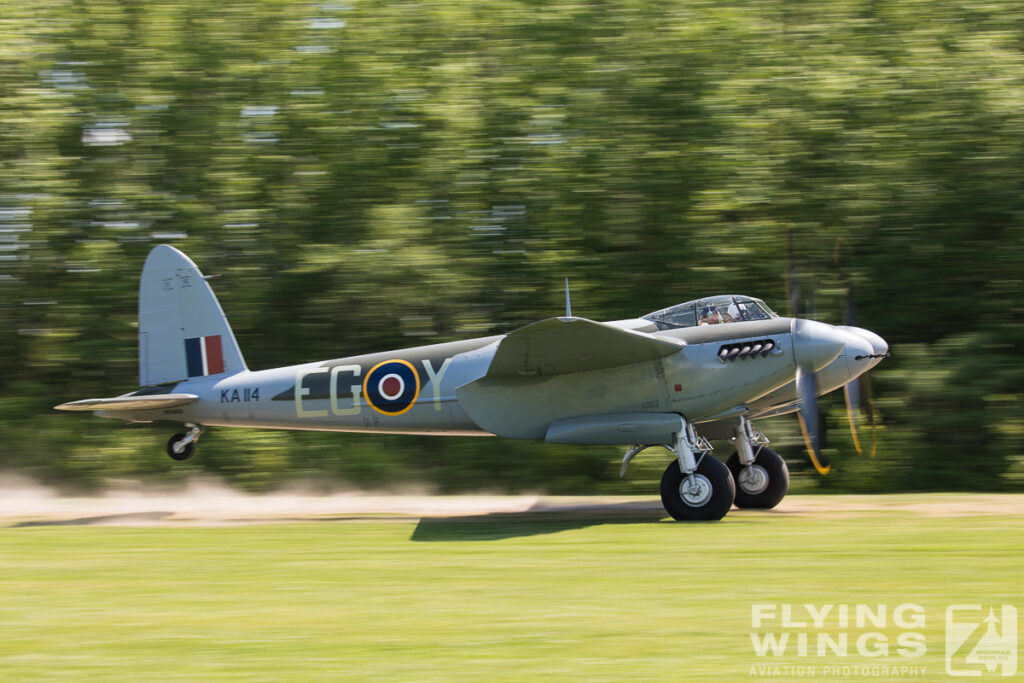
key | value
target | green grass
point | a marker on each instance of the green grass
(511, 597)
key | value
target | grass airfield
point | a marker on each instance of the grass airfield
(497, 590)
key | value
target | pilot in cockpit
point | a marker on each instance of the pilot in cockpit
(709, 315)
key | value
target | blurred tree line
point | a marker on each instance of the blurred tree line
(371, 175)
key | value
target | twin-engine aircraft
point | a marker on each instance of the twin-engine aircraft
(674, 378)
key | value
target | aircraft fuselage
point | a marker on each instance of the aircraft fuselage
(417, 390)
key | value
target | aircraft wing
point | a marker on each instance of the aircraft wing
(558, 346)
(151, 402)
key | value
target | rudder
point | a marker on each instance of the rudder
(183, 332)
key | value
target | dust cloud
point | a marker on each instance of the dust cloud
(207, 500)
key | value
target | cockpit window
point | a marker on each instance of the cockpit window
(713, 310)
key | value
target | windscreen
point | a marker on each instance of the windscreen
(714, 310)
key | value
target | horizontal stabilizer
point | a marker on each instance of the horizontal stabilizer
(559, 346)
(130, 402)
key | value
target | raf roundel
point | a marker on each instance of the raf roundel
(391, 387)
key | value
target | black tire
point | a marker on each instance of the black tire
(702, 505)
(754, 492)
(186, 453)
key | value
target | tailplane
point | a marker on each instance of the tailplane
(182, 329)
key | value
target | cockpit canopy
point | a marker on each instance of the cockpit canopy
(712, 310)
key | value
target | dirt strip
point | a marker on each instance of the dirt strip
(214, 504)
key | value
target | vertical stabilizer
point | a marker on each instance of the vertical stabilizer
(182, 330)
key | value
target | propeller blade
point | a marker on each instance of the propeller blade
(795, 296)
(842, 260)
(849, 308)
(851, 392)
(859, 409)
(810, 424)
(858, 392)
(866, 404)
(794, 293)
(867, 407)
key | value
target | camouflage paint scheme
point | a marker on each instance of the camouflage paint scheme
(714, 363)
(455, 388)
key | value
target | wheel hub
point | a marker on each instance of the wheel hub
(695, 490)
(753, 479)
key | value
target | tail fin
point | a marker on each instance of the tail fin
(182, 329)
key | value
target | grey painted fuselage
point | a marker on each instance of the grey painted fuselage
(444, 388)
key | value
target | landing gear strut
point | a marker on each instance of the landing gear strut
(762, 478)
(696, 485)
(182, 446)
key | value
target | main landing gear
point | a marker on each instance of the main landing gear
(182, 446)
(705, 494)
(696, 485)
(762, 478)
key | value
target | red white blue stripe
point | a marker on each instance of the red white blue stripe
(204, 356)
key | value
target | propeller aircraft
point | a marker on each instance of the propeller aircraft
(676, 378)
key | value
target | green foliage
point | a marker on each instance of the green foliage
(379, 175)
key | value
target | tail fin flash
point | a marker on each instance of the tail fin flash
(182, 329)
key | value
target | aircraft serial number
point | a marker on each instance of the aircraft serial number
(239, 395)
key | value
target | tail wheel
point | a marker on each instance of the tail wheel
(180, 452)
(762, 484)
(706, 494)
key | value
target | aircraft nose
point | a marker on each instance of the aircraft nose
(815, 344)
(871, 349)
(878, 345)
(857, 345)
